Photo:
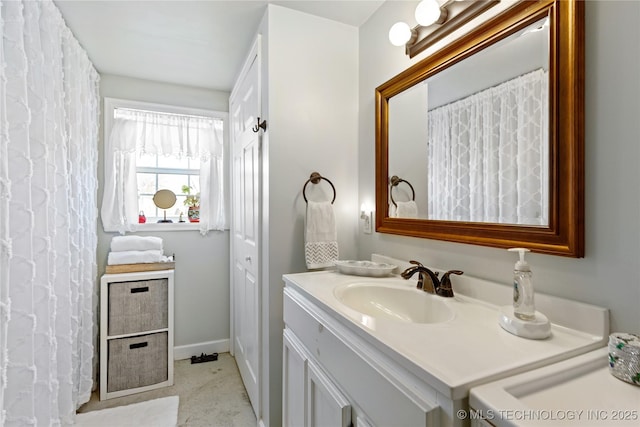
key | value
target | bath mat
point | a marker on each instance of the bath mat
(161, 412)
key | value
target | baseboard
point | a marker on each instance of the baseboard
(186, 351)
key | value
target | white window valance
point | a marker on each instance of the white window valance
(135, 132)
(151, 132)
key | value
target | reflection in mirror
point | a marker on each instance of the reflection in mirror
(402, 208)
(474, 139)
(480, 176)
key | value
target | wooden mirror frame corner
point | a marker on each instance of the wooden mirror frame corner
(565, 233)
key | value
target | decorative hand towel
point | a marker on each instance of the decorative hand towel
(135, 257)
(321, 238)
(407, 209)
(136, 243)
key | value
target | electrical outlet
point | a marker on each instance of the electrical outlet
(366, 222)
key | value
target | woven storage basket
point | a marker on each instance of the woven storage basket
(138, 306)
(624, 357)
(137, 361)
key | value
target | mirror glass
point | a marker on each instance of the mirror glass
(482, 142)
(472, 142)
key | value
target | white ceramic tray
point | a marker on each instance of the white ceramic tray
(364, 268)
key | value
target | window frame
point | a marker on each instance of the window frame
(110, 104)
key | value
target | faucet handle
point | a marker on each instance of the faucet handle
(445, 289)
(419, 264)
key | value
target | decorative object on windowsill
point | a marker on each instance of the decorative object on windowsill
(181, 218)
(164, 199)
(436, 19)
(193, 201)
(141, 218)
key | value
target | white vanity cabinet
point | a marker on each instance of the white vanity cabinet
(331, 377)
(346, 345)
(310, 397)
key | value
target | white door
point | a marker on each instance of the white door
(245, 233)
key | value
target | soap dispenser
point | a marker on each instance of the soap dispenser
(523, 300)
(521, 318)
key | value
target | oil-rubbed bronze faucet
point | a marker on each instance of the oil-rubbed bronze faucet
(429, 281)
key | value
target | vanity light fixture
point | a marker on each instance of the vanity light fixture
(429, 12)
(541, 27)
(436, 19)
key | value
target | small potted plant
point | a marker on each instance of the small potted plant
(193, 201)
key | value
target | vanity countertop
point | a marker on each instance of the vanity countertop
(576, 392)
(468, 350)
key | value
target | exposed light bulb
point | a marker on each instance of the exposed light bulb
(428, 12)
(399, 34)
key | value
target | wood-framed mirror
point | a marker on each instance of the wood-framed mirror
(554, 224)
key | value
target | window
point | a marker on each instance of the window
(156, 172)
(150, 147)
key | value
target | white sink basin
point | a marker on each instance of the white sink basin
(389, 302)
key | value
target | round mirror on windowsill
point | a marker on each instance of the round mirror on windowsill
(164, 199)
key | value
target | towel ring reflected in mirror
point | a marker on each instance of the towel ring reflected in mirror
(395, 180)
(315, 179)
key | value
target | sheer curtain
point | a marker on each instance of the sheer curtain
(48, 216)
(136, 131)
(488, 155)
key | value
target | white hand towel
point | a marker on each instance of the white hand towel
(136, 243)
(407, 209)
(321, 237)
(392, 211)
(134, 257)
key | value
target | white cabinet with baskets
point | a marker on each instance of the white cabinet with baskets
(136, 332)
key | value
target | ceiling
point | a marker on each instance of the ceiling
(195, 43)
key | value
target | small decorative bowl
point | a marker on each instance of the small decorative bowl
(624, 357)
(364, 268)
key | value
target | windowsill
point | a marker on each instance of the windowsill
(169, 226)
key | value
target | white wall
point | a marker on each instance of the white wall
(408, 138)
(310, 101)
(202, 262)
(608, 275)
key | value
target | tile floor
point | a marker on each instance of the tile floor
(211, 395)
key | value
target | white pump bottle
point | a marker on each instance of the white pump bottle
(523, 296)
(521, 318)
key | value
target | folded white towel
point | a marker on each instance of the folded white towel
(406, 209)
(321, 237)
(135, 257)
(136, 243)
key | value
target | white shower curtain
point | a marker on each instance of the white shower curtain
(488, 155)
(48, 216)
